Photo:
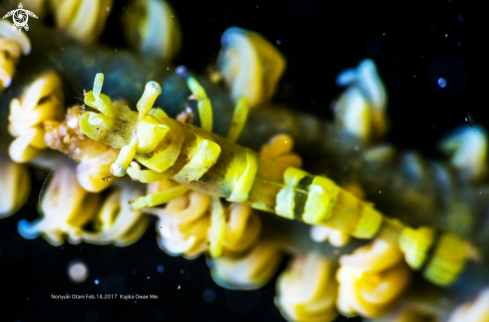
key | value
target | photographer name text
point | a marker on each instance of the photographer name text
(103, 297)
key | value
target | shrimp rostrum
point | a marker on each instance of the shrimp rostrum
(200, 160)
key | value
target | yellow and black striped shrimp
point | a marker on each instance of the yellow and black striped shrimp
(200, 160)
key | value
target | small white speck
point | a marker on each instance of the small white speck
(380, 191)
(148, 277)
(168, 68)
(96, 282)
(179, 286)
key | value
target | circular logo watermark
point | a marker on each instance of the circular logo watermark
(20, 17)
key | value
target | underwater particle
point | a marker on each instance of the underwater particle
(461, 17)
(148, 278)
(179, 286)
(279, 42)
(159, 313)
(133, 272)
(447, 75)
(77, 271)
(160, 269)
(434, 126)
(209, 295)
(446, 35)
(442, 82)
(96, 282)
(374, 47)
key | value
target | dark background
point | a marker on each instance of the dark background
(413, 43)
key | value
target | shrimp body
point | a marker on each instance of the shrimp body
(200, 160)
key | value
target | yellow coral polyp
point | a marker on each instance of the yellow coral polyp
(152, 27)
(371, 279)
(306, 291)
(13, 43)
(15, 186)
(250, 65)
(361, 109)
(41, 101)
(66, 207)
(81, 19)
(187, 227)
(249, 272)
(116, 223)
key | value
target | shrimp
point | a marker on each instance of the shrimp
(200, 160)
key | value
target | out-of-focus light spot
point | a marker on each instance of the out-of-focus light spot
(446, 35)
(279, 42)
(434, 127)
(160, 269)
(383, 34)
(133, 272)
(77, 271)
(108, 9)
(459, 43)
(148, 277)
(442, 82)
(179, 286)
(159, 313)
(96, 282)
(209, 295)
(374, 47)
(447, 75)
(461, 17)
